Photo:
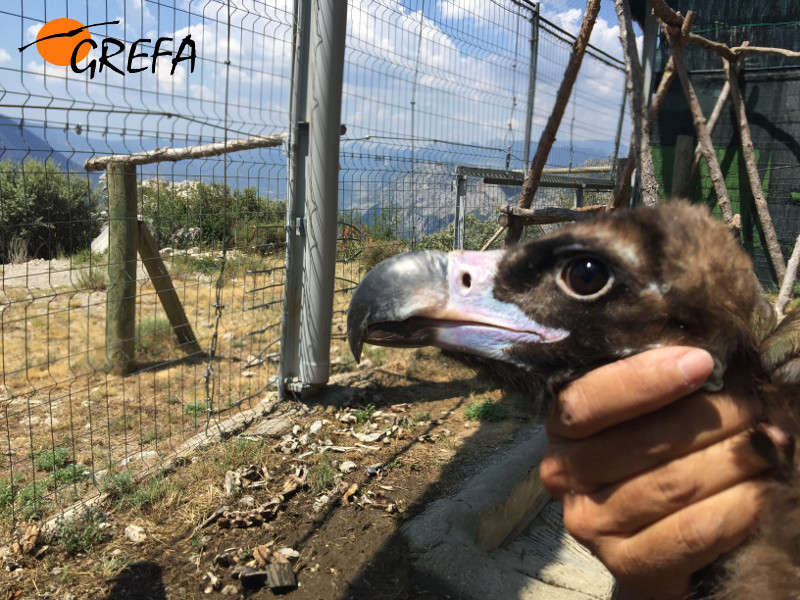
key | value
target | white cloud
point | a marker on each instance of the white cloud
(5, 57)
(32, 32)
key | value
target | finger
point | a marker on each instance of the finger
(666, 489)
(626, 389)
(687, 425)
(687, 540)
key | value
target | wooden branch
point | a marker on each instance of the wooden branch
(747, 49)
(666, 14)
(99, 163)
(724, 51)
(493, 238)
(661, 93)
(546, 215)
(789, 279)
(548, 137)
(636, 98)
(711, 124)
(748, 151)
(732, 54)
(704, 137)
(622, 186)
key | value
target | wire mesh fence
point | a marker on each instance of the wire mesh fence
(217, 223)
(429, 88)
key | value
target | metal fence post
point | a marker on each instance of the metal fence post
(526, 150)
(328, 34)
(461, 209)
(297, 151)
(314, 188)
(121, 287)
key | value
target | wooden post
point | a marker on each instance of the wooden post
(682, 166)
(749, 153)
(162, 282)
(703, 135)
(121, 288)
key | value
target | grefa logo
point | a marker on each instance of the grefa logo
(66, 42)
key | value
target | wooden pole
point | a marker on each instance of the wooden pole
(789, 279)
(162, 282)
(713, 119)
(534, 175)
(704, 137)
(98, 163)
(121, 288)
(622, 187)
(636, 97)
(748, 151)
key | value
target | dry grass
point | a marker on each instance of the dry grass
(58, 395)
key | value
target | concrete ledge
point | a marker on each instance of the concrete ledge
(490, 540)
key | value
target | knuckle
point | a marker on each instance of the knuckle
(580, 521)
(696, 535)
(554, 475)
(676, 486)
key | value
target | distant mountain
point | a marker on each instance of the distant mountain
(373, 174)
(18, 142)
(424, 200)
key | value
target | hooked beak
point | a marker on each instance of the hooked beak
(440, 299)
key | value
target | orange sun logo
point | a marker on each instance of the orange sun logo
(57, 39)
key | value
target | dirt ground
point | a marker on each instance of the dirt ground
(401, 421)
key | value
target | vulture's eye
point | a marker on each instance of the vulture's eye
(585, 277)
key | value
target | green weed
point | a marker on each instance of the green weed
(82, 533)
(486, 411)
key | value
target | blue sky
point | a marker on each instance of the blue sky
(378, 86)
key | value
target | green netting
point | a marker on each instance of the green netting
(771, 88)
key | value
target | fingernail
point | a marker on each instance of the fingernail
(696, 366)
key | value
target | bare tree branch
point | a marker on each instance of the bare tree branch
(704, 137)
(788, 280)
(534, 175)
(770, 238)
(636, 98)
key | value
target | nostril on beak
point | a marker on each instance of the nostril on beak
(466, 280)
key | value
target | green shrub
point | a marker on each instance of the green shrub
(154, 335)
(204, 214)
(47, 460)
(321, 476)
(487, 410)
(476, 234)
(81, 533)
(43, 207)
(194, 409)
(375, 252)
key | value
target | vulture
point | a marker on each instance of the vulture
(542, 313)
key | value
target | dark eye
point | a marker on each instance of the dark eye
(585, 277)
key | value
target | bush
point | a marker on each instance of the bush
(476, 234)
(43, 207)
(83, 532)
(193, 213)
(374, 253)
(487, 410)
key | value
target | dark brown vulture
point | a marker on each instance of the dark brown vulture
(542, 313)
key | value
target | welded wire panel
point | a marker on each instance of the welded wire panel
(217, 224)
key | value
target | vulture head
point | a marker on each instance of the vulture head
(546, 311)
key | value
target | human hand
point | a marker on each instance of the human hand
(657, 479)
